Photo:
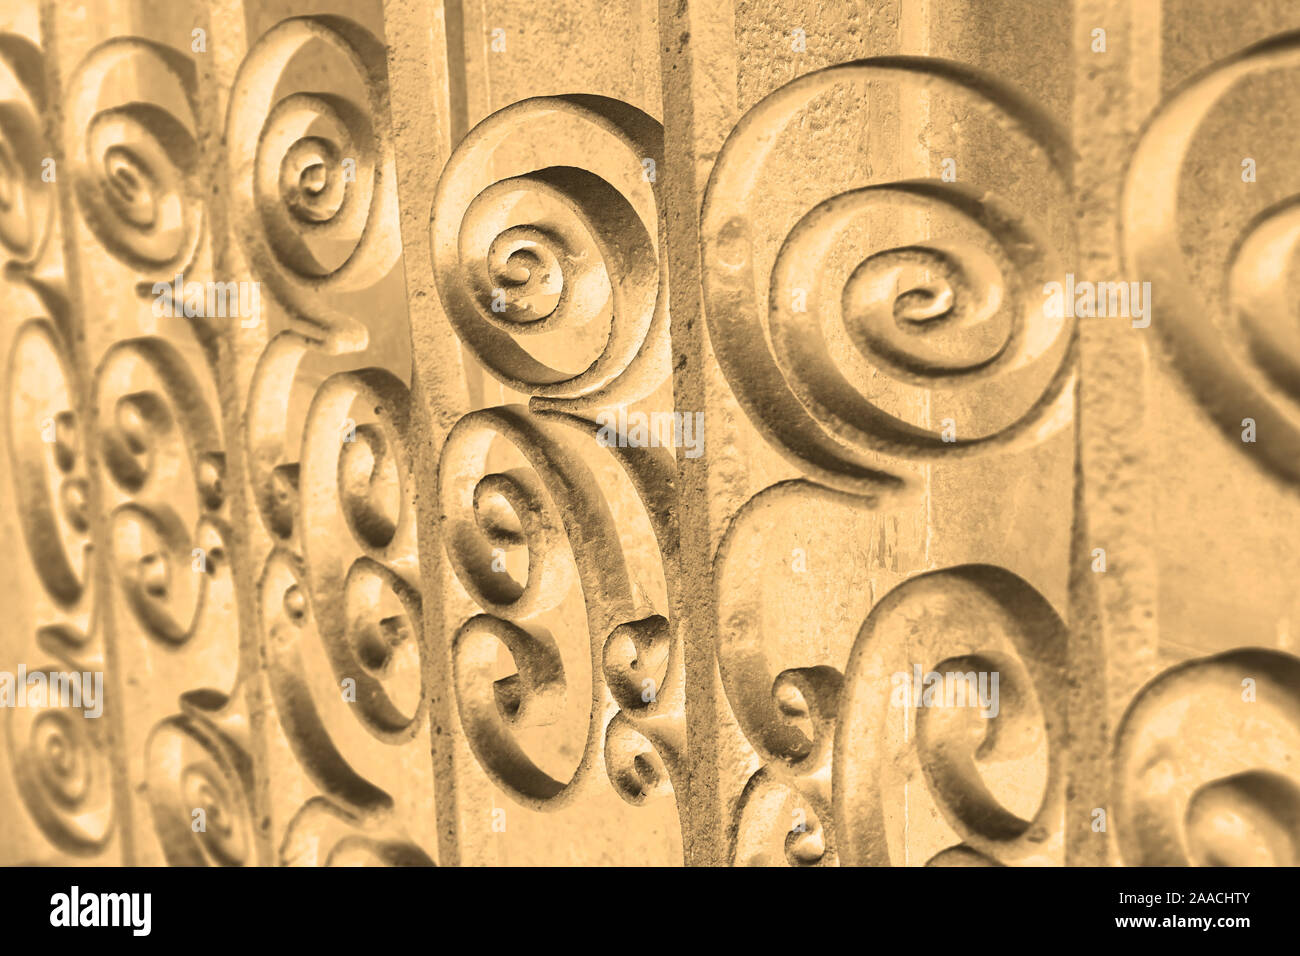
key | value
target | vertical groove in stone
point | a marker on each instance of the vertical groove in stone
(469, 98)
(216, 71)
(453, 21)
(471, 43)
(424, 117)
(1112, 613)
(698, 67)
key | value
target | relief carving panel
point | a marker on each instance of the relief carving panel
(712, 433)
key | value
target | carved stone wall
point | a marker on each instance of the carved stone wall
(599, 432)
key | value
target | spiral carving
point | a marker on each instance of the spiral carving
(61, 768)
(368, 609)
(786, 805)
(350, 601)
(548, 510)
(47, 460)
(359, 612)
(192, 766)
(885, 296)
(996, 779)
(1222, 296)
(161, 449)
(787, 713)
(773, 704)
(641, 659)
(781, 820)
(1203, 767)
(313, 183)
(545, 221)
(134, 161)
(26, 200)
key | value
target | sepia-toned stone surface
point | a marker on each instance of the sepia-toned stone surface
(714, 432)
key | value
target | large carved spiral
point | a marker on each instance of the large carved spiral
(545, 221)
(1221, 253)
(61, 767)
(1205, 768)
(26, 199)
(845, 310)
(191, 766)
(313, 182)
(132, 155)
(997, 781)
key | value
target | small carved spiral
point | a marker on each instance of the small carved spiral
(133, 159)
(191, 766)
(26, 198)
(313, 181)
(788, 798)
(357, 459)
(492, 711)
(289, 635)
(845, 315)
(61, 768)
(356, 477)
(1204, 768)
(545, 228)
(490, 515)
(638, 663)
(778, 823)
(786, 713)
(634, 764)
(161, 448)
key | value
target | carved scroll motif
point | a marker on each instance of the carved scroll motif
(545, 239)
(59, 759)
(844, 311)
(929, 285)
(314, 204)
(134, 158)
(387, 552)
(1200, 774)
(1227, 313)
(130, 134)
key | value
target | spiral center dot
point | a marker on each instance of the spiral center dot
(59, 757)
(130, 185)
(72, 495)
(313, 178)
(295, 604)
(925, 302)
(154, 574)
(520, 266)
